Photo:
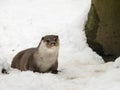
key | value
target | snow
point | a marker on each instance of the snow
(117, 63)
(24, 22)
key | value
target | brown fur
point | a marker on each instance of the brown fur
(26, 59)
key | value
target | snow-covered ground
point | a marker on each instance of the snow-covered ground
(24, 22)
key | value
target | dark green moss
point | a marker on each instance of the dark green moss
(92, 24)
(103, 28)
(91, 28)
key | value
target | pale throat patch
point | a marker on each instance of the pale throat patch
(48, 55)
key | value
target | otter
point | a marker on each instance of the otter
(43, 58)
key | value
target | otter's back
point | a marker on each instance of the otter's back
(21, 59)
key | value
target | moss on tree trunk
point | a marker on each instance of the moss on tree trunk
(103, 28)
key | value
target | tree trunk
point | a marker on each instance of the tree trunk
(103, 28)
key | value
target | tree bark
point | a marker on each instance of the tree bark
(103, 28)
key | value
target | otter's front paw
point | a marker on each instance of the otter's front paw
(54, 71)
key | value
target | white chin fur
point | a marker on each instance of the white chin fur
(44, 48)
(52, 49)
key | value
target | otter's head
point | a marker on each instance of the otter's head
(49, 43)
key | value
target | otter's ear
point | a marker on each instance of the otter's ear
(42, 38)
(57, 37)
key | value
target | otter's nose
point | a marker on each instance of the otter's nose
(53, 43)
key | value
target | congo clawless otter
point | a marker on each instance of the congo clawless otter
(42, 59)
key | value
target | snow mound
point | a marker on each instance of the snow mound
(117, 63)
